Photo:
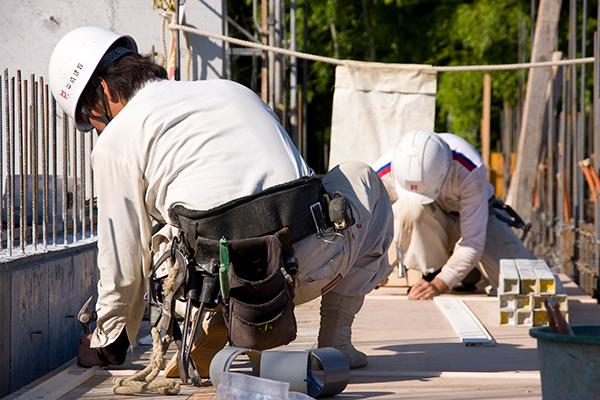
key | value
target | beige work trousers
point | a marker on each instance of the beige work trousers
(427, 235)
(355, 262)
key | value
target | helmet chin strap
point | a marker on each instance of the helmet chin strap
(103, 118)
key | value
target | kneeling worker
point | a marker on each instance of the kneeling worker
(200, 144)
(446, 219)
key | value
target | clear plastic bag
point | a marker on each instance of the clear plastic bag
(237, 386)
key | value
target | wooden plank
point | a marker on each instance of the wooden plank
(520, 191)
(468, 327)
(60, 383)
(485, 122)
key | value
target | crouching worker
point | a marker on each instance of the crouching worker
(198, 146)
(446, 219)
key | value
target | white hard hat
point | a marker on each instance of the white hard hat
(73, 62)
(420, 166)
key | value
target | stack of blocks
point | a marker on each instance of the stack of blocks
(523, 286)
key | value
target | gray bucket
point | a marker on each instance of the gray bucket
(569, 365)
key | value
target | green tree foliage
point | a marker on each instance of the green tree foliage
(433, 32)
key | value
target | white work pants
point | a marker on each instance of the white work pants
(359, 263)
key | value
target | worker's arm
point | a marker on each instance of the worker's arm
(124, 234)
(475, 191)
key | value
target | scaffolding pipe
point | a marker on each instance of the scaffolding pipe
(293, 76)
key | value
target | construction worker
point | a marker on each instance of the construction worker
(200, 144)
(446, 219)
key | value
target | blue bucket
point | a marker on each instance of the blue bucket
(569, 365)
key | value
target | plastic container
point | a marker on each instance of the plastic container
(569, 365)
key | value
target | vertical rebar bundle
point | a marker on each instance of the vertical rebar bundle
(31, 151)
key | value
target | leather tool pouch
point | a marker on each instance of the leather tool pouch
(259, 312)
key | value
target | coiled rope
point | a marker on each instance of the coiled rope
(335, 61)
(147, 380)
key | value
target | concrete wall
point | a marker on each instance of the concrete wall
(29, 30)
(40, 296)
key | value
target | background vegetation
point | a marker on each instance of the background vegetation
(435, 32)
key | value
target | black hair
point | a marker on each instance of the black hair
(124, 78)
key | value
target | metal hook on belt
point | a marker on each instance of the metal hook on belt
(328, 237)
(174, 242)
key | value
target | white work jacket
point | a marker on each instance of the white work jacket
(198, 144)
(466, 191)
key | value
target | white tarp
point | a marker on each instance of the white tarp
(374, 104)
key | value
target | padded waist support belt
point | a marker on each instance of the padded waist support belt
(294, 367)
(266, 212)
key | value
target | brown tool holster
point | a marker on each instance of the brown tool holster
(259, 231)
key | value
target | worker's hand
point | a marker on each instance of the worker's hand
(424, 290)
(87, 356)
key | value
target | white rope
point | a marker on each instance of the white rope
(256, 45)
(515, 66)
(335, 61)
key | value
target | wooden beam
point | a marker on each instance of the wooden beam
(520, 191)
(485, 122)
(60, 384)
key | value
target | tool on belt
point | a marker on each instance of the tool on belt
(240, 256)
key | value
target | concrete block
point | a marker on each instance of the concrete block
(509, 277)
(524, 318)
(507, 302)
(540, 317)
(514, 301)
(508, 318)
(546, 280)
(527, 276)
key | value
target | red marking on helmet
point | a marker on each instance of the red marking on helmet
(64, 95)
(413, 187)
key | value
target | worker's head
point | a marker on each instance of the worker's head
(420, 166)
(92, 66)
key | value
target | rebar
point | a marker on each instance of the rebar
(65, 178)
(44, 131)
(83, 191)
(75, 203)
(10, 148)
(22, 194)
(54, 173)
(34, 156)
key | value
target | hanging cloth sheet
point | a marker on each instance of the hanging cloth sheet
(374, 104)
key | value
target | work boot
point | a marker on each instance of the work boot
(210, 338)
(337, 315)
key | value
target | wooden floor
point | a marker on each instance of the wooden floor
(99, 386)
(414, 353)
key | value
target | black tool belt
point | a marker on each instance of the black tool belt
(298, 205)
